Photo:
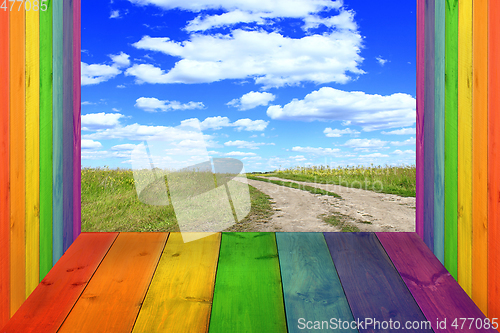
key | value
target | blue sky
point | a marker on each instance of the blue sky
(275, 84)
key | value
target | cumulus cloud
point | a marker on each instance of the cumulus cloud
(252, 100)
(317, 151)
(406, 152)
(102, 120)
(371, 112)
(337, 133)
(365, 143)
(381, 60)
(97, 73)
(120, 60)
(374, 155)
(244, 144)
(126, 146)
(250, 125)
(410, 141)
(152, 104)
(218, 122)
(239, 153)
(115, 14)
(402, 131)
(91, 144)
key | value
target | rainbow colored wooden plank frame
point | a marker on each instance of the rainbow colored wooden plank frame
(39, 143)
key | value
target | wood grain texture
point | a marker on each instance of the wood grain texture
(493, 160)
(248, 295)
(439, 84)
(77, 146)
(57, 131)
(114, 295)
(311, 287)
(49, 304)
(451, 139)
(67, 177)
(480, 156)
(465, 145)
(437, 293)
(17, 160)
(430, 8)
(32, 149)
(419, 214)
(46, 140)
(4, 170)
(180, 296)
(372, 285)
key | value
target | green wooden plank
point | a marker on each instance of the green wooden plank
(57, 131)
(248, 295)
(451, 139)
(46, 140)
(311, 286)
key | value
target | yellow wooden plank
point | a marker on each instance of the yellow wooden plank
(32, 148)
(465, 145)
(480, 156)
(180, 296)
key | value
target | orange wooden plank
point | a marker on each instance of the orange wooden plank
(114, 296)
(494, 160)
(17, 162)
(480, 156)
(51, 302)
(4, 169)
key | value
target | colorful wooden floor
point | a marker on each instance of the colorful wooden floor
(247, 282)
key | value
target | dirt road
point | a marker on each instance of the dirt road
(298, 210)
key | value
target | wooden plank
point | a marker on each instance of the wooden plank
(67, 178)
(372, 285)
(440, 18)
(115, 294)
(451, 139)
(77, 145)
(17, 160)
(465, 145)
(53, 299)
(480, 156)
(419, 214)
(311, 286)
(437, 293)
(430, 9)
(248, 295)
(45, 140)
(4, 170)
(32, 148)
(493, 160)
(180, 296)
(57, 131)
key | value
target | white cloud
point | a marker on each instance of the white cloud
(410, 141)
(120, 86)
(239, 153)
(126, 146)
(120, 60)
(317, 151)
(365, 143)
(298, 158)
(96, 121)
(115, 14)
(381, 60)
(152, 104)
(402, 131)
(96, 73)
(252, 100)
(337, 133)
(91, 144)
(271, 59)
(374, 155)
(244, 144)
(343, 21)
(87, 103)
(371, 112)
(406, 152)
(218, 122)
(250, 125)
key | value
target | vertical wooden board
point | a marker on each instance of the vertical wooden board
(430, 8)
(480, 156)
(77, 146)
(32, 148)
(437, 293)
(372, 285)
(419, 214)
(451, 139)
(51, 302)
(465, 145)
(114, 295)
(17, 160)
(493, 160)
(180, 296)
(248, 295)
(311, 286)
(67, 177)
(4, 169)
(57, 131)
(439, 84)
(45, 140)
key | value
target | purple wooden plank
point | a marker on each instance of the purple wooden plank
(373, 287)
(77, 164)
(420, 116)
(437, 293)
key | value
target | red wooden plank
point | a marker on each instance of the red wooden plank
(419, 214)
(437, 293)
(47, 307)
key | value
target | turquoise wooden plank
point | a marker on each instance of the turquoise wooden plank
(77, 144)
(419, 213)
(311, 287)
